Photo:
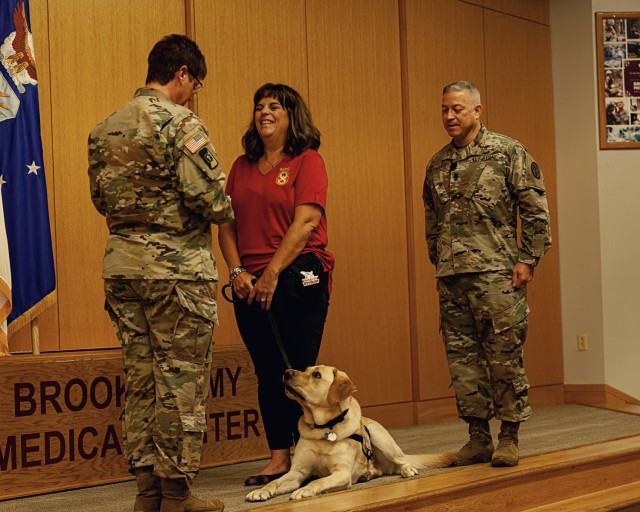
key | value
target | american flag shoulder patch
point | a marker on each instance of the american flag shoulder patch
(196, 141)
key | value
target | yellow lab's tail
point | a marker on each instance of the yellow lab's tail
(431, 460)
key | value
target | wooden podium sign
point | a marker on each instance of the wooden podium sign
(60, 422)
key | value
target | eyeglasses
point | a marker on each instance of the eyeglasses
(199, 85)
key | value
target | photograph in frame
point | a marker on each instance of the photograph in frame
(618, 67)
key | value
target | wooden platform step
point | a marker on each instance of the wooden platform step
(621, 498)
(538, 481)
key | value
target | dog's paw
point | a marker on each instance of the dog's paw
(408, 471)
(370, 474)
(304, 492)
(259, 495)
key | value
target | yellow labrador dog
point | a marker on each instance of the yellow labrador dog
(337, 444)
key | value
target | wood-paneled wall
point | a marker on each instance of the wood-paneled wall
(355, 89)
(372, 72)
(429, 26)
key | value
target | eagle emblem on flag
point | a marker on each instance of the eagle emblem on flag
(16, 52)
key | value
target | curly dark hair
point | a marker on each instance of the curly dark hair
(171, 53)
(302, 133)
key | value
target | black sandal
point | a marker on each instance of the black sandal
(262, 479)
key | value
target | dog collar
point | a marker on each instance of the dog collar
(332, 423)
(331, 435)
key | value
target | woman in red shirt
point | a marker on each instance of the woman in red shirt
(278, 190)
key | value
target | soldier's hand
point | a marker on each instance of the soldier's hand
(522, 274)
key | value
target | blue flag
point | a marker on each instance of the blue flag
(22, 179)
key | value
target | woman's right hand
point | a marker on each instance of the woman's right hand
(242, 285)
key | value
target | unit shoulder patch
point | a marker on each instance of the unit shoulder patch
(208, 157)
(535, 170)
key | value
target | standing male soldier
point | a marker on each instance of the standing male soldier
(473, 190)
(155, 176)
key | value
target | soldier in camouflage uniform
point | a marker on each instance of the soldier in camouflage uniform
(154, 175)
(473, 190)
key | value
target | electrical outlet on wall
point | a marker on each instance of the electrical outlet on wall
(582, 342)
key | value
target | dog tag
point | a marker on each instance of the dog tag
(330, 436)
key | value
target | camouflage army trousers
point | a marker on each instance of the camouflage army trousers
(166, 332)
(483, 320)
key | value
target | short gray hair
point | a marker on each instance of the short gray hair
(462, 85)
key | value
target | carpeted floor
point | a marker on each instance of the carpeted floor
(549, 429)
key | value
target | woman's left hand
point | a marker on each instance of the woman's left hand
(263, 290)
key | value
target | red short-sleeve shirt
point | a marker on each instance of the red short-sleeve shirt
(264, 206)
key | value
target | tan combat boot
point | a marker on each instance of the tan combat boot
(177, 498)
(149, 494)
(479, 448)
(507, 453)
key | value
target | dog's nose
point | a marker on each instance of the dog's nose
(288, 374)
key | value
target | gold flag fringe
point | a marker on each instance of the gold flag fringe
(33, 312)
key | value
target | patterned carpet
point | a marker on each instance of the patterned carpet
(549, 429)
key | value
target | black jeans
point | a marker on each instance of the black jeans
(301, 324)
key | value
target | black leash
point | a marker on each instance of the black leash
(276, 333)
(272, 321)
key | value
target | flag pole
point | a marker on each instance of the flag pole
(35, 337)
(25, 216)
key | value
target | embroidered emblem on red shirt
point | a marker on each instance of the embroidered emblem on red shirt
(283, 177)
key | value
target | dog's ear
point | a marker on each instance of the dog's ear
(341, 388)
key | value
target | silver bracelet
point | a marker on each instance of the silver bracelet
(235, 273)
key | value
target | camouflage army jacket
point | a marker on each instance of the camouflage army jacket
(154, 175)
(472, 197)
